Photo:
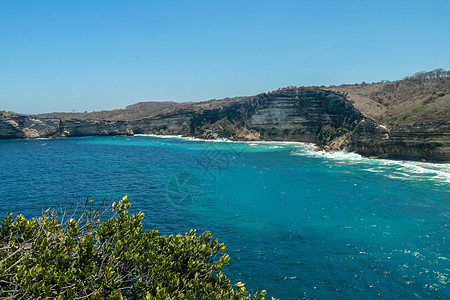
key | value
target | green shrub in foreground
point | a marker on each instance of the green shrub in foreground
(86, 258)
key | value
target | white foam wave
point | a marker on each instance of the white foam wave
(373, 170)
(336, 155)
(421, 170)
(399, 170)
(308, 146)
(302, 145)
(415, 171)
(161, 136)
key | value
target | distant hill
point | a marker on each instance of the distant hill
(151, 104)
(132, 112)
(142, 110)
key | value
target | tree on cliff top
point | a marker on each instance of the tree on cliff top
(86, 258)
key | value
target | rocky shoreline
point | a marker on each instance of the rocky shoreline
(317, 116)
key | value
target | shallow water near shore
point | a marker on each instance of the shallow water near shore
(296, 222)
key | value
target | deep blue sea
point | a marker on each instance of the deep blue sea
(299, 223)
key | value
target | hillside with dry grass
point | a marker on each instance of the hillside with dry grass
(418, 99)
(421, 98)
(144, 110)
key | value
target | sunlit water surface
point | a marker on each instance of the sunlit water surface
(296, 222)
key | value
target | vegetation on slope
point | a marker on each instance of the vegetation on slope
(86, 258)
(421, 98)
(143, 110)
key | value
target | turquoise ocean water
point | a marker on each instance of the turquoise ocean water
(299, 223)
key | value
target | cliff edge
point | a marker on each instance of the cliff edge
(327, 117)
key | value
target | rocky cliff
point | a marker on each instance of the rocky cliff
(425, 141)
(315, 116)
(14, 126)
(318, 116)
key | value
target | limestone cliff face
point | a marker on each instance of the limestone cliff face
(318, 116)
(166, 124)
(428, 142)
(10, 129)
(290, 115)
(303, 115)
(22, 126)
(70, 128)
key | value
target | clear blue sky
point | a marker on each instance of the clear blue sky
(94, 55)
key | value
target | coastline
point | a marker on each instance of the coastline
(323, 152)
(225, 140)
(319, 152)
(324, 118)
